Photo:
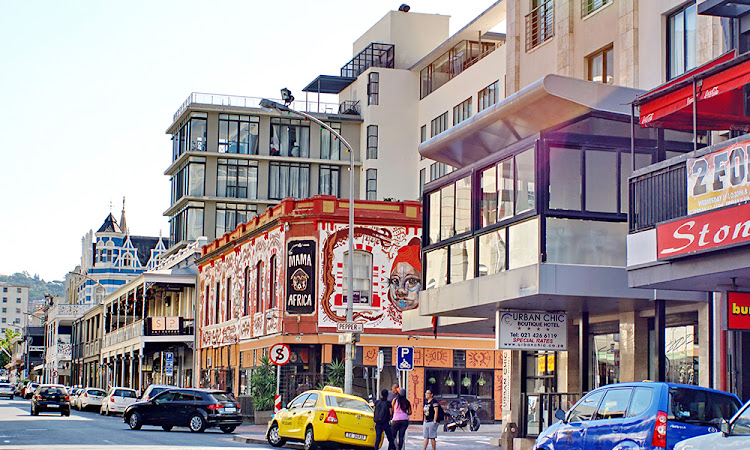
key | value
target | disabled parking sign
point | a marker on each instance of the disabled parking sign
(405, 358)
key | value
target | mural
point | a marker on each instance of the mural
(387, 274)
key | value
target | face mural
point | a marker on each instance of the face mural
(405, 281)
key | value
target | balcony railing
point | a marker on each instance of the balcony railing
(374, 55)
(540, 24)
(123, 334)
(589, 6)
(658, 196)
(64, 310)
(92, 348)
(147, 328)
(250, 102)
(60, 352)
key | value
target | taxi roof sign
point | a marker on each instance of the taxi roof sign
(333, 389)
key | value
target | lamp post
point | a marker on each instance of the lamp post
(349, 358)
(99, 302)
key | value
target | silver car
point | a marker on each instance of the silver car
(7, 390)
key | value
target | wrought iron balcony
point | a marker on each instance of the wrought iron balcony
(540, 24)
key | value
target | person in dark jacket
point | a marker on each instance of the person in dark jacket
(383, 412)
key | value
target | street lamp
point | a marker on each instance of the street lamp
(349, 358)
(95, 281)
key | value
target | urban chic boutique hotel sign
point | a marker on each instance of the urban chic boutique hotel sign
(532, 330)
(719, 179)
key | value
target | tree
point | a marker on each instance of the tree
(335, 371)
(263, 385)
(5, 344)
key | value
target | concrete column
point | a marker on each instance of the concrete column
(114, 371)
(627, 50)
(564, 37)
(704, 349)
(512, 379)
(514, 46)
(122, 370)
(633, 347)
(130, 367)
(568, 370)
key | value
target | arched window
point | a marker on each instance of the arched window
(246, 293)
(362, 284)
(259, 287)
(272, 284)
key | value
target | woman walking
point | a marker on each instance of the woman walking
(383, 413)
(401, 413)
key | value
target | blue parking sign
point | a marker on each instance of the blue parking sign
(405, 358)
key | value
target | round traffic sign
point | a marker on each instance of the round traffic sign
(54, 374)
(279, 354)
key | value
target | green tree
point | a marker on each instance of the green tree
(5, 344)
(263, 385)
(335, 372)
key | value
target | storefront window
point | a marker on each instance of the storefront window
(682, 352)
(606, 359)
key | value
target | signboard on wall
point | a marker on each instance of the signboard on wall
(300, 272)
(532, 330)
(719, 179)
(738, 311)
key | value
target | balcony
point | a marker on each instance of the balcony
(658, 195)
(123, 334)
(250, 102)
(540, 25)
(92, 348)
(374, 55)
(150, 327)
(68, 311)
(60, 352)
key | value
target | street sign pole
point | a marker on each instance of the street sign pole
(380, 369)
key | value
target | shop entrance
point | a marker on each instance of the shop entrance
(539, 388)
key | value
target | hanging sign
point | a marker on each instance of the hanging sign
(719, 179)
(300, 272)
(738, 311)
(532, 330)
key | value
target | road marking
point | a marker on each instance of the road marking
(36, 429)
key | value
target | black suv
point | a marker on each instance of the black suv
(196, 409)
(50, 397)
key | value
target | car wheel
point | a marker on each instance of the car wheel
(273, 436)
(310, 443)
(166, 427)
(135, 421)
(197, 424)
(227, 428)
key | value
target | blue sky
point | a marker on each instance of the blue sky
(89, 88)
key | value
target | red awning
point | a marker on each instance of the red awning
(718, 91)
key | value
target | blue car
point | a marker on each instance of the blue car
(641, 415)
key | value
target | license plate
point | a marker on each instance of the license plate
(230, 409)
(53, 406)
(361, 437)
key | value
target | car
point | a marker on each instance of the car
(50, 397)
(196, 409)
(643, 415)
(20, 387)
(89, 397)
(117, 400)
(29, 391)
(324, 416)
(73, 393)
(154, 389)
(7, 390)
(734, 434)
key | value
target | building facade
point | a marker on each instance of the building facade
(14, 308)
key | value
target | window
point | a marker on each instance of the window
(641, 400)
(228, 308)
(3, 321)
(290, 137)
(451, 63)
(492, 251)
(229, 215)
(217, 302)
(585, 409)
(681, 41)
(236, 178)
(206, 306)
(439, 124)
(565, 178)
(18, 310)
(372, 184)
(488, 96)
(362, 277)
(372, 142)
(373, 88)
(437, 170)
(5, 289)
(5, 299)
(187, 225)
(330, 146)
(328, 183)
(18, 290)
(288, 180)
(272, 284)
(246, 292)
(190, 137)
(311, 401)
(540, 23)
(18, 300)
(422, 133)
(589, 6)
(422, 175)
(238, 134)
(614, 404)
(462, 111)
(601, 66)
(507, 188)
(5, 310)
(259, 286)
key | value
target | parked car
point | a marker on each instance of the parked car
(20, 388)
(324, 416)
(89, 397)
(117, 400)
(7, 390)
(29, 391)
(734, 434)
(644, 415)
(154, 389)
(196, 409)
(73, 394)
(50, 397)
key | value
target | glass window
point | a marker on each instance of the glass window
(492, 249)
(681, 348)
(601, 66)
(422, 175)
(447, 212)
(362, 272)
(439, 124)
(299, 401)
(523, 244)
(505, 187)
(699, 406)
(348, 403)
(373, 88)
(525, 194)
(259, 286)
(463, 205)
(310, 401)
(605, 353)
(437, 268)
(601, 181)
(462, 111)
(330, 146)
(614, 404)
(681, 41)
(741, 425)
(488, 201)
(462, 261)
(236, 179)
(189, 180)
(372, 184)
(228, 216)
(488, 96)
(197, 135)
(565, 178)
(584, 410)
(290, 137)
(187, 225)
(329, 180)
(422, 133)
(641, 401)
(434, 222)
(572, 241)
(641, 160)
(288, 180)
(238, 134)
(272, 284)
(372, 142)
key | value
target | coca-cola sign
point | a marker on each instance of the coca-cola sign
(704, 232)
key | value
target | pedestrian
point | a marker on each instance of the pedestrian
(400, 422)
(394, 392)
(383, 412)
(430, 425)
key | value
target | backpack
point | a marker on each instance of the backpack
(440, 412)
(380, 414)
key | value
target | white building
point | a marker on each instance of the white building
(14, 306)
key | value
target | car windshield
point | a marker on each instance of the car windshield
(97, 392)
(699, 406)
(5, 386)
(124, 393)
(348, 403)
(156, 391)
(220, 397)
(53, 390)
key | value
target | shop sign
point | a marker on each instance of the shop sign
(532, 330)
(719, 179)
(300, 272)
(738, 311)
(716, 229)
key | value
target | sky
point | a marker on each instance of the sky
(88, 89)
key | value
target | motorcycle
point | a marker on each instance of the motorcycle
(460, 414)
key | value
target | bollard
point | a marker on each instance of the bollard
(510, 432)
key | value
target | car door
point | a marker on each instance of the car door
(290, 426)
(307, 412)
(571, 433)
(605, 428)
(158, 409)
(180, 408)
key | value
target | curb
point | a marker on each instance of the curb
(245, 439)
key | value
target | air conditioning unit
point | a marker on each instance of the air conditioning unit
(208, 361)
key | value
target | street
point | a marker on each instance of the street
(88, 429)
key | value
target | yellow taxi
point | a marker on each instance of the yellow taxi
(324, 416)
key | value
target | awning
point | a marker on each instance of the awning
(718, 91)
(548, 102)
(328, 84)
(724, 8)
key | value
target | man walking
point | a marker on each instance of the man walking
(430, 425)
(383, 412)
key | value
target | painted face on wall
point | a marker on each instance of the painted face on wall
(405, 281)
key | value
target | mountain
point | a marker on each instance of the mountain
(37, 286)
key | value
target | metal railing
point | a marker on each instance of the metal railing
(123, 334)
(539, 410)
(540, 24)
(589, 6)
(349, 107)
(657, 196)
(374, 55)
(249, 102)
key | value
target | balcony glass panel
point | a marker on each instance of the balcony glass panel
(492, 249)
(565, 178)
(196, 179)
(447, 202)
(523, 244)
(641, 160)
(462, 261)
(437, 268)
(489, 196)
(434, 219)
(586, 242)
(601, 181)
(525, 198)
(505, 185)
(463, 205)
